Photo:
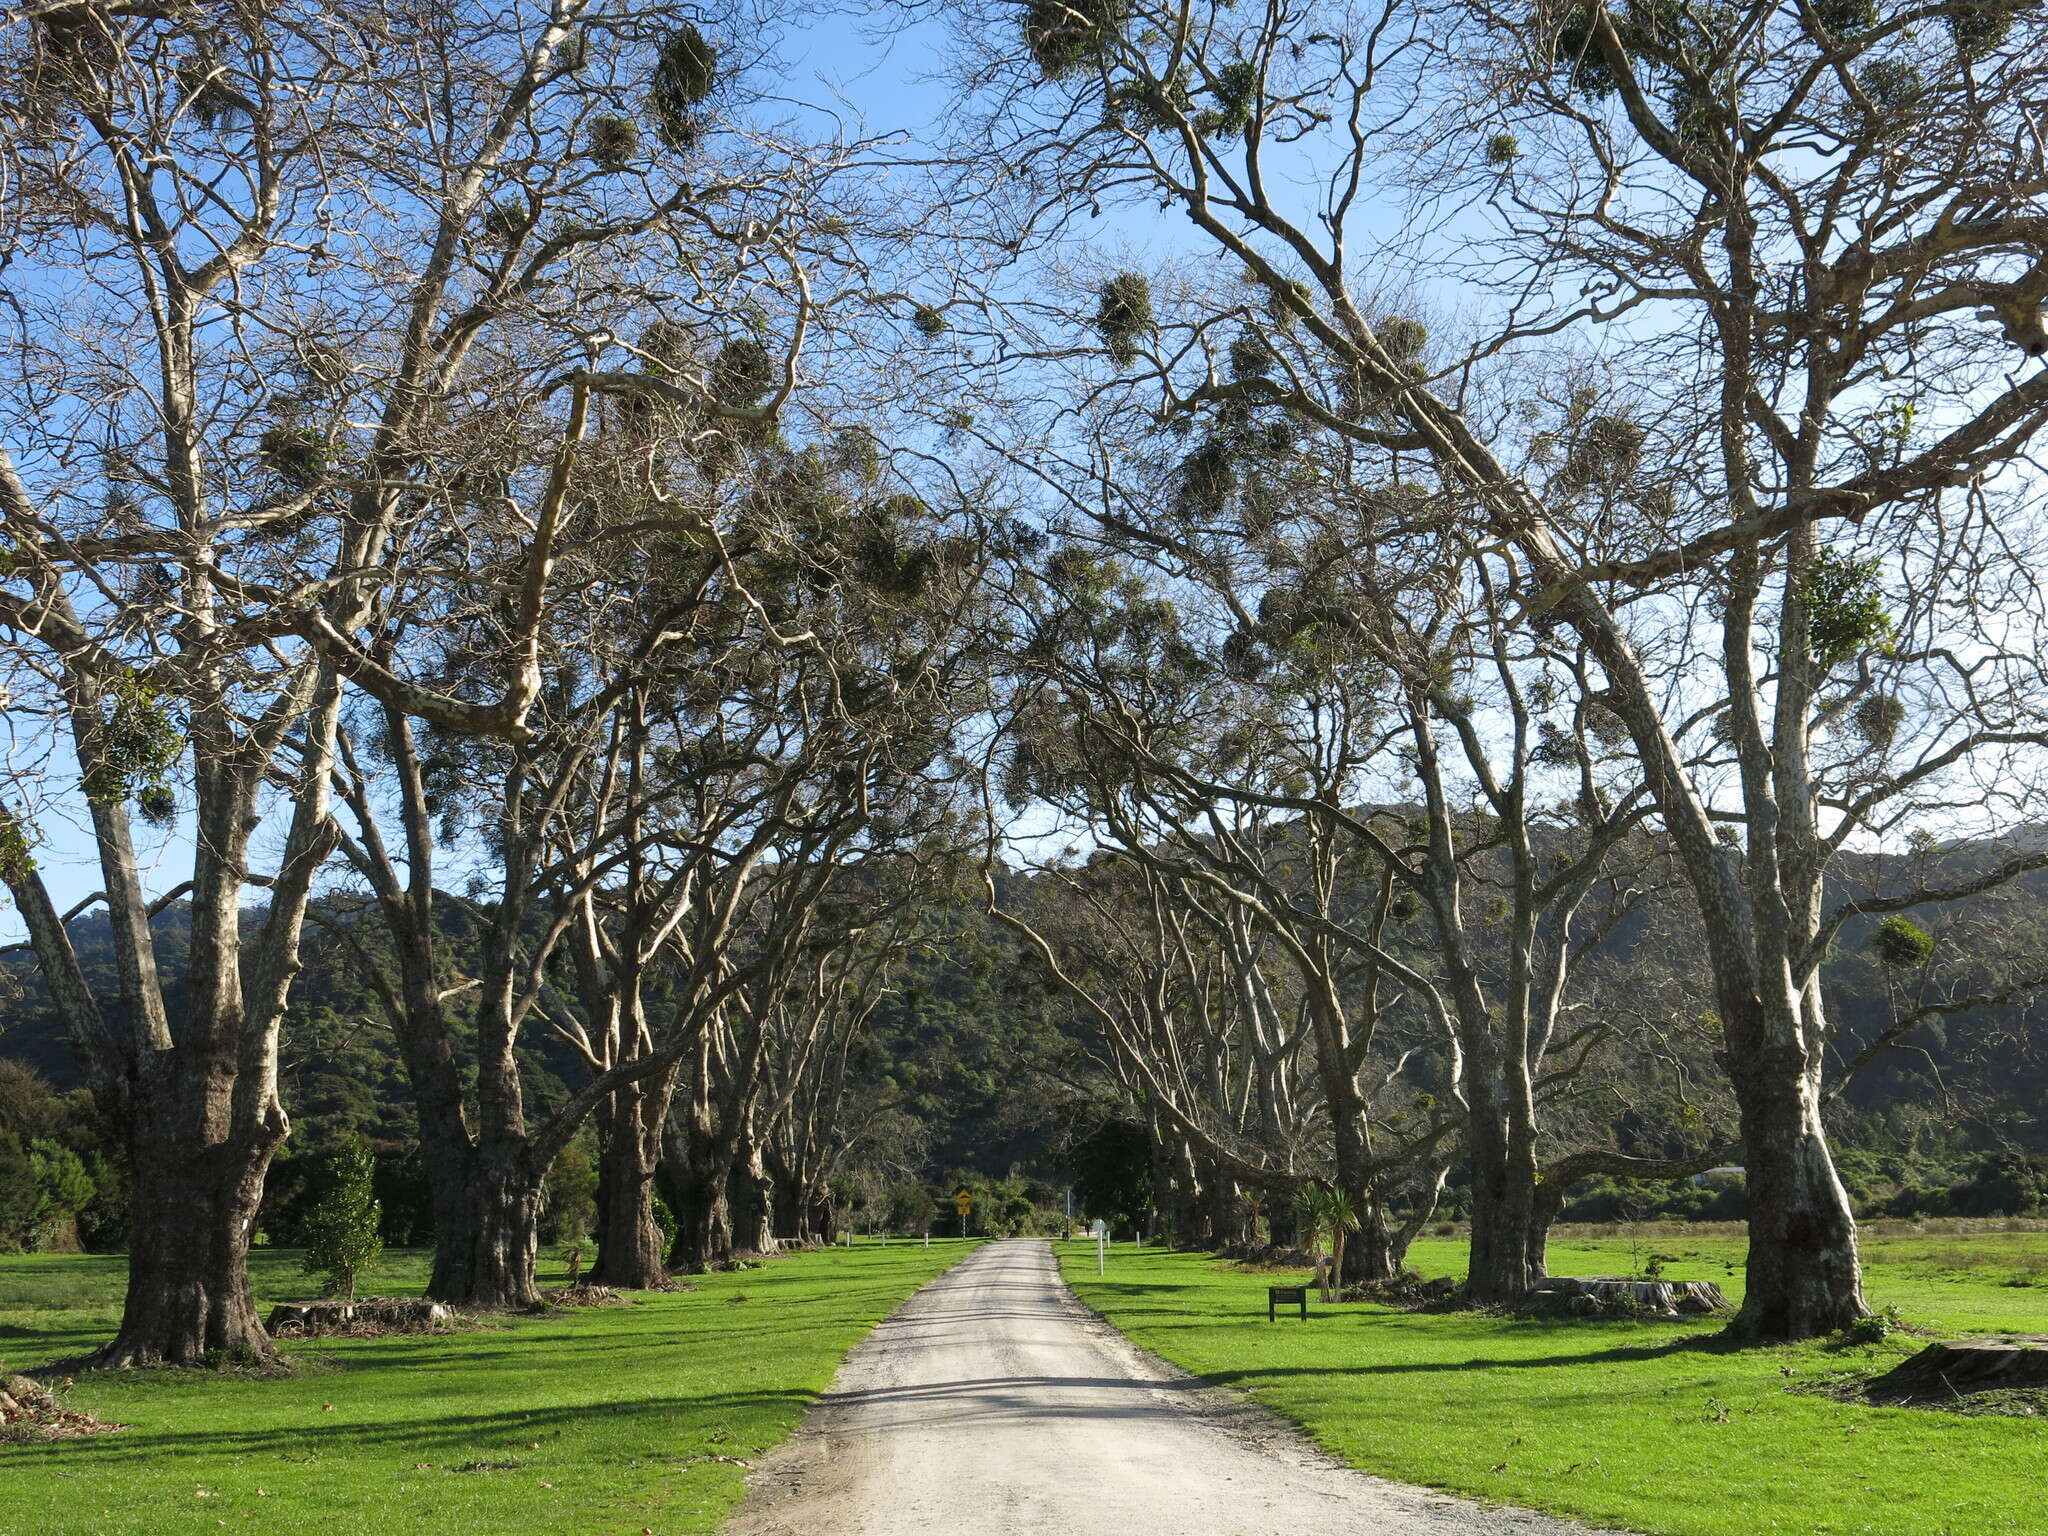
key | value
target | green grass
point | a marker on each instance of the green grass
(1624, 1424)
(596, 1420)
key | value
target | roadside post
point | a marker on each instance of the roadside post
(1099, 1230)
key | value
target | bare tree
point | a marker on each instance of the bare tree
(1724, 206)
(191, 194)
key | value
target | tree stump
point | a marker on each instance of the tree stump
(1968, 1365)
(404, 1314)
(1608, 1296)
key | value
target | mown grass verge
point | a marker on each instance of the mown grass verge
(593, 1420)
(1644, 1426)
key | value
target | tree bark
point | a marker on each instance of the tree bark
(752, 1199)
(630, 1243)
(1803, 1277)
(486, 1259)
(1503, 1263)
(195, 1201)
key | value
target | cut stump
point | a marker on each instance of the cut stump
(406, 1314)
(1968, 1365)
(1606, 1296)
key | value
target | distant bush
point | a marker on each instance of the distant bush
(56, 1189)
(43, 1187)
(568, 1202)
(1998, 1184)
(1722, 1197)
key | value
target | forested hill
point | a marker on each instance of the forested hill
(974, 1064)
(955, 1048)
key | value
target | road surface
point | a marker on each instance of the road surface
(992, 1403)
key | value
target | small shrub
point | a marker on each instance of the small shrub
(342, 1236)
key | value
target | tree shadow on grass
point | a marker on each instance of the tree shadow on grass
(464, 1432)
(1692, 1343)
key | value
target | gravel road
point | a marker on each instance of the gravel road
(992, 1402)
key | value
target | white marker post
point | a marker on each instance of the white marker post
(1099, 1230)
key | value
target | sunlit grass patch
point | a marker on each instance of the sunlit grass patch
(1645, 1425)
(573, 1421)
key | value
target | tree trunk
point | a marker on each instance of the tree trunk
(1372, 1254)
(1229, 1222)
(699, 1154)
(1947, 1371)
(1543, 1209)
(485, 1259)
(786, 1209)
(821, 1218)
(1184, 1205)
(1803, 1276)
(195, 1202)
(1283, 1227)
(752, 1200)
(703, 1227)
(629, 1249)
(1198, 1225)
(1503, 1209)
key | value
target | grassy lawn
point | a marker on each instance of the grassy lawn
(598, 1420)
(1625, 1424)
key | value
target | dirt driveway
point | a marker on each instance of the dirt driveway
(993, 1402)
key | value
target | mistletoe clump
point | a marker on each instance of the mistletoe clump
(742, 372)
(1234, 92)
(1978, 26)
(1608, 448)
(1123, 315)
(1067, 35)
(299, 455)
(1878, 719)
(685, 74)
(613, 142)
(1845, 611)
(1901, 943)
(134, 747)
